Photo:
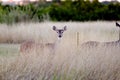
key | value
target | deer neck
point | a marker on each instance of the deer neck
(57, 42)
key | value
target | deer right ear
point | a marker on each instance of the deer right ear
(65, 28)
(54, 28)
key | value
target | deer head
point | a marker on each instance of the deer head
(60, 31)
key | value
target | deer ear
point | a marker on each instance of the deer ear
(118, 25)
(54, 28)
(65, 28)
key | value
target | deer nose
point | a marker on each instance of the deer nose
(60, 36)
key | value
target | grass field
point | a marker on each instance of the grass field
(70, 61)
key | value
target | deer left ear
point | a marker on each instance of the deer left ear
(54, 28)
(65, 28)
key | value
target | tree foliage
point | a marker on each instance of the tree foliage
(78, 10)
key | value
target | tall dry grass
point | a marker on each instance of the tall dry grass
(100, 31)
(69, 62)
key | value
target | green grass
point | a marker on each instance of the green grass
(9, 49)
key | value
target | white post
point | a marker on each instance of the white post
(77, 39)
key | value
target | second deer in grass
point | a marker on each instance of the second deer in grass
(95, 43)
(29, 46)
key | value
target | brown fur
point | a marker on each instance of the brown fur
(29, 46)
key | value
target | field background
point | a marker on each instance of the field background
(69, 62)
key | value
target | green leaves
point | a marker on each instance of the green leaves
(78, 10)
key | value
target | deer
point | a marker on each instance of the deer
(28, 46)
(96, 43)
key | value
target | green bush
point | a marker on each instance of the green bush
(78, 10)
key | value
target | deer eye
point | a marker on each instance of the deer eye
(62, 31)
